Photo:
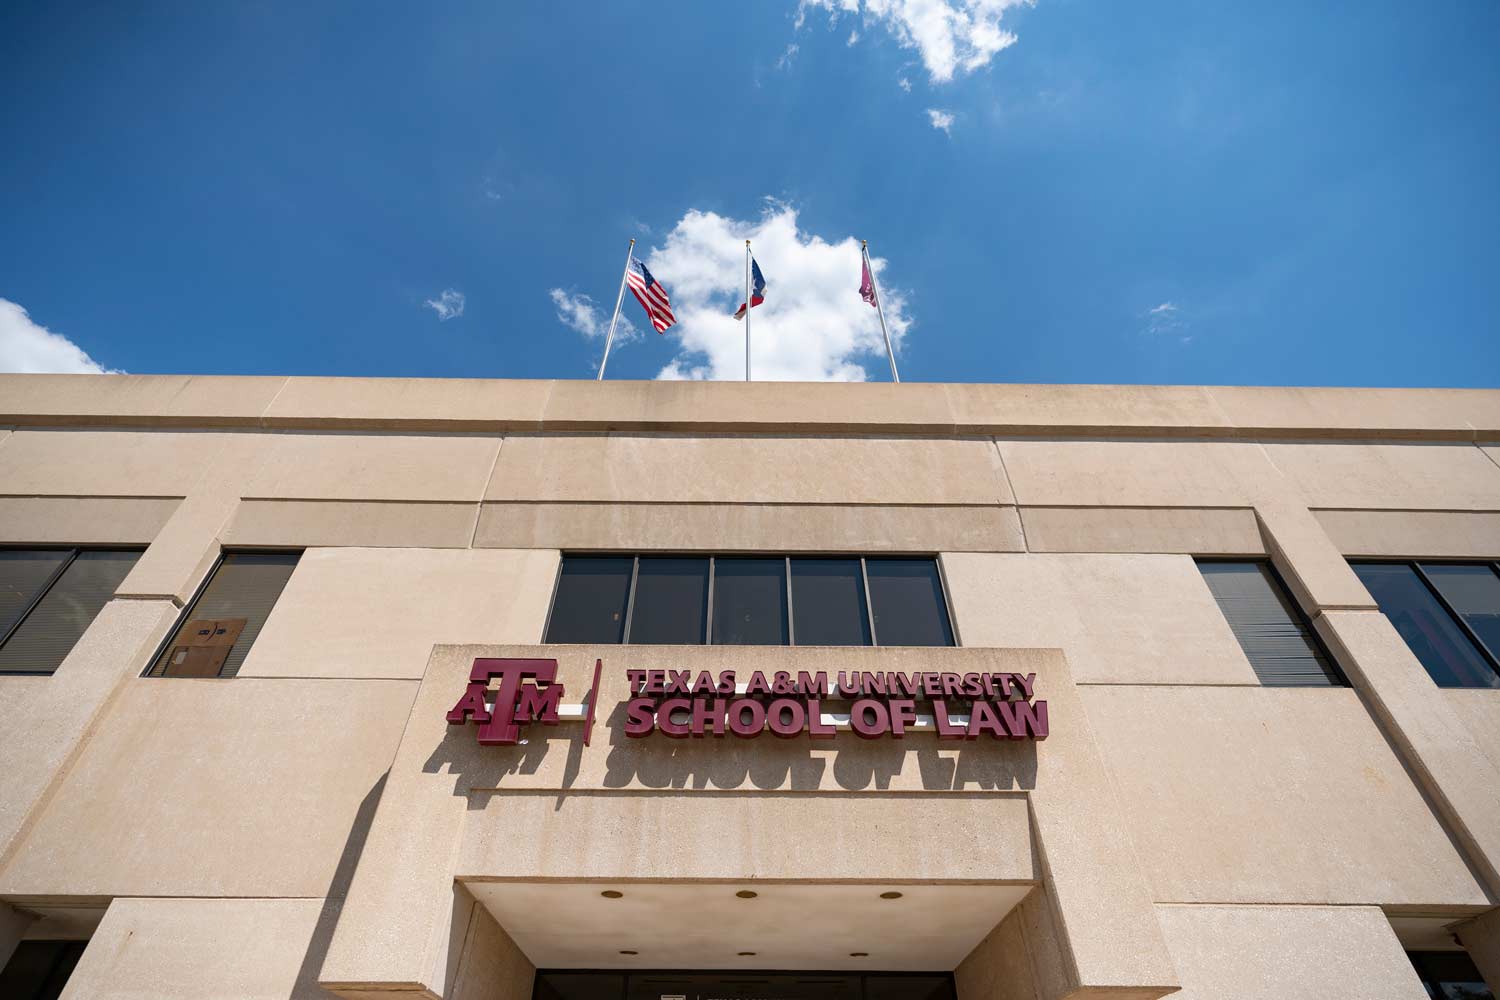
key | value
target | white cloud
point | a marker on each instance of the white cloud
(1167, 320)
(578, 312)
(952, 36)
(941, 119)
(29, 348)
(903, 83)
(813, 325)
(853, 38)
(448, 305)
(788, 56)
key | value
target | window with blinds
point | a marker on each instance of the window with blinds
(1276, 638)
(750, 601)
(220, 626)
(48, 599)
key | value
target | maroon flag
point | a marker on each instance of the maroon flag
(866, 282)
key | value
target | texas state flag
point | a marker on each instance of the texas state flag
(757, 289)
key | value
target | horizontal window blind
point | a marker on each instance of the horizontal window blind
(23, 574)
(46, 635)
(1275, 637)
(239, 598)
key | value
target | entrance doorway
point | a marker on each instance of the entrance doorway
(571, 984)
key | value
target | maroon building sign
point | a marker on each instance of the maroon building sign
(683, 705)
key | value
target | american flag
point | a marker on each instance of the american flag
(651, 295)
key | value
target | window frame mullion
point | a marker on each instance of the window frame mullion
(635, 571)
(864, 580)
(791, 615)
(1473, 637)
(41, 592)
(708, 615)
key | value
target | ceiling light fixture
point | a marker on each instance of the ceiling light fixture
(859, 954)
(747, 894)
(746, 954)
(628, 952)
(612, 894)
(890, 895)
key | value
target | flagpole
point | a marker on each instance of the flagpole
(864, 249)
(616, 317)
(748, 304)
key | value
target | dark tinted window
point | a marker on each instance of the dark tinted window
(48, 598)
(1449, 975)
(828, 603)
(1473, 592)
(671, 601)
(221, 625)
(1276, 639)
(750, 602)
(906, 598)
(38, 970)
(1437, 640)
(23, 574)
(590, 602)
(48, 633)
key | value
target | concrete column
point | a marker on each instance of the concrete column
(1431, 738)
(1481, 937)
(490, 967)
(1021, 959)
(13, 924)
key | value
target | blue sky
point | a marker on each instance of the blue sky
(1268, 193)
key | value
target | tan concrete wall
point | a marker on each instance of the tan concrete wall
(1122, 619)
(735, 527)
(660, 468)
(190, 949)
(240, 787)
(46, 721)
(1272, 795)
(361, 613)
(106, 462)
(1414, 534)
(83, 520)
(368, 466)
(1479, 711)
(1287, 953)
(1390, 476)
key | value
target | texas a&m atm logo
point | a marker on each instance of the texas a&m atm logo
(528, 692)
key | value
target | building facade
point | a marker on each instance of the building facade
(679, 691)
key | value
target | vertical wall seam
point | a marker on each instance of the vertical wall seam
(479, 507)
(1014, 499)
(261, 420)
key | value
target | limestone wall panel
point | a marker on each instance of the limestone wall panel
(188, 949)
(1121, 619)
(1431, 534)
(1287, 953)
(373, 466)
(665, 468)
(1103, 473)
(106, 463)
(299, 523)
(149, 400)
(1479, 711)
(239, 787)
(1413, 476)
(356, 612)
(664, 836)
(83, 520)
(771, 528)
(45, 720)
(1193, 531)
(1272, 795)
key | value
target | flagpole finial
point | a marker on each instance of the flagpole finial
(632, 241)
(864, 244)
